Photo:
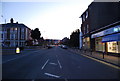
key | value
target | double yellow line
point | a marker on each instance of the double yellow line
(117, 67)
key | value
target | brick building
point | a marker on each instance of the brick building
(97, 20)
(14, 34)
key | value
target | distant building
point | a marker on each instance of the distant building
(14, 34)
(99, 19)
(52, 41)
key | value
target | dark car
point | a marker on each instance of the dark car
(49, 46)
(64, 46)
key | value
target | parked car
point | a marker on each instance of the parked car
(48, 46)
(64, 46)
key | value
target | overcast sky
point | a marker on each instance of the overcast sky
(55, 19)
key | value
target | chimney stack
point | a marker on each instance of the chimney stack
(11, 20)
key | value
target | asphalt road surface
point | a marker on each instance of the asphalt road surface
(55, 63)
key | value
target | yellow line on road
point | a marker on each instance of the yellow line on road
(102, 62)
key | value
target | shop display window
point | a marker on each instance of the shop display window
(86, 43)
(99, 46)
(113, 47)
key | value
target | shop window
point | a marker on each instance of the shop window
(119, 47)
(99, 46)
(86, 42)
(113, 47)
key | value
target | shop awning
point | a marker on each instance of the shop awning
(110, 38)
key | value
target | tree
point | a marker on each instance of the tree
(41, 41)
(65, 41)
(35, 34)
(74, 38)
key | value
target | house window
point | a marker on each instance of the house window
(87, 28)
(11, 29)
(15, 29)
(22, 36)
(86, 14)
(22, 29)
(5, 36)
(83, 17)
(11, 36)
(84, 30)
(1, 35)
(15, 36)
(4, 29)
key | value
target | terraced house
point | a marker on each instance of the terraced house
(14, 34)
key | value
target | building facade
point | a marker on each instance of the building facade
(108, 39)
(14, 34)
(100, 20)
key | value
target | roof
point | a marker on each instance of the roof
(9, 25)
(86, 10)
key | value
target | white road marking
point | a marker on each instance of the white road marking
(45, 64)
(59, 64)
(53, 63)
(52, 75)
(19, 57)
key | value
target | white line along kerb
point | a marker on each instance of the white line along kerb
(45, 64)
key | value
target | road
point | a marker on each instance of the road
(55, 63)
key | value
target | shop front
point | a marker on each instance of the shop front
(112, 42)
(108, 40)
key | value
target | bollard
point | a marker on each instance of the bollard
(17, 50)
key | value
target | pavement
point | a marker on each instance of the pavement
(55, 64)
(106, 58)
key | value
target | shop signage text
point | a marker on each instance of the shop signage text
(107, 31)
